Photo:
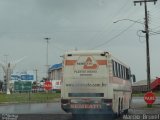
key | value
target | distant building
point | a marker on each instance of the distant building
(55, 75)
(141, 86)
(55, 72)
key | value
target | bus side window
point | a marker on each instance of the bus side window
(117, 73)
(123, 74)
(119, 70)
(113, 68)
(127, 74)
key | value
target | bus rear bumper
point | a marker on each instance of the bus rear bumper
(107, 110)
(104, 106)
(104, 110)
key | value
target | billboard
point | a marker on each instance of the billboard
(56, 84)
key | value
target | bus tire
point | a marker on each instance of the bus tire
(119, 109)
(125, 111)
(122, 106)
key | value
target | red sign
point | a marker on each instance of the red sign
(149, 97)
(48, 85)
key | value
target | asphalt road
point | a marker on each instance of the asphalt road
(32, 108)
(139, 101)
(53, 111)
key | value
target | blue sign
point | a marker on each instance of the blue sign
(15, 77)
(27, 77)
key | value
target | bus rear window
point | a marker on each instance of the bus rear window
(86, 94)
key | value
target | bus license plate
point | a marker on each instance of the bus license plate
(86, 106)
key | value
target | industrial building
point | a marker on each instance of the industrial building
(55, 72)
(141, 86)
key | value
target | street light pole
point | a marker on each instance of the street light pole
(47, 66)
(136, 21)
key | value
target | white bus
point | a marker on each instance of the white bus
(94, 80)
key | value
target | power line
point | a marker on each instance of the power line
(113, 38)
(154, 32)
(100, 33)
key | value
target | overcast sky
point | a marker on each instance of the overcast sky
(77, 24)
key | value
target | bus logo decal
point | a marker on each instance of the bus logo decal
(89, 64)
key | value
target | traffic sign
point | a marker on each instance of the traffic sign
(27, 77)
(22, 85)
(149, 98)
(48, 85)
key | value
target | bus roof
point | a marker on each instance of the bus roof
(93, 52)
(83, 52)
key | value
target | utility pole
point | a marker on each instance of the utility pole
(36, 70)
(47, 66)
(147, 39)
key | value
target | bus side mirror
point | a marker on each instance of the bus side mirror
(133, 78)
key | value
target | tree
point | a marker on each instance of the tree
(1, 85)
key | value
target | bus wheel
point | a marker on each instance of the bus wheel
(122, 106)
(125, 111)
(119, 109)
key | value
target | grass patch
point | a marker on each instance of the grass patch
(29, 97)
(138, 94)
(150, 106)
(142, 94)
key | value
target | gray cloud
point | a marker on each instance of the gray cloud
(71, 24)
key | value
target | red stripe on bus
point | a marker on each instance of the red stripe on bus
(102, 62)
(70, 62)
